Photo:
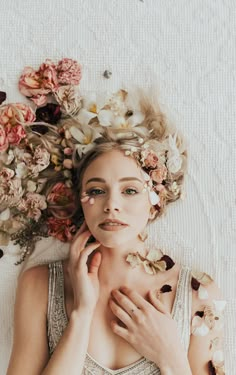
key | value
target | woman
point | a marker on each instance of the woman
(114, 306)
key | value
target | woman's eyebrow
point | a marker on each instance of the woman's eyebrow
(98, 179)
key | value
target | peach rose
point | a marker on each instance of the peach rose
(3, 140)
(149, 159)
(37, 84)
(159, 174)
(17, 113)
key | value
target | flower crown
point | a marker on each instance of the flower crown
(38, 145)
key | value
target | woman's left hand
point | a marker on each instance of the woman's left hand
(149, 327)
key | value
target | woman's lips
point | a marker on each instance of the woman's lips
(112, 227)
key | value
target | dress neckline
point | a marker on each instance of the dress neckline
(140, 360)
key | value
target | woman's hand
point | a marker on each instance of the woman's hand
(84, 279)
(150, 329)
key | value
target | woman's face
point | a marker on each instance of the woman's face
(115, 183)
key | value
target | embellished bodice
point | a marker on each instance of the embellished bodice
(57, 321)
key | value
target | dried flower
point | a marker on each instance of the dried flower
(62, 229)
(69, 72)
(151, 263)
(3, 96)
(50, 113)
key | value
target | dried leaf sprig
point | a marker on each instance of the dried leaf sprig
(154, 262)
(28, 237)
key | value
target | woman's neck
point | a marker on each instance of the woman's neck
(115, 270)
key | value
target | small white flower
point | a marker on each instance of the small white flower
(21, 170)
(5, 215)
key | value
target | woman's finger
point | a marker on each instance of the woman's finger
(134, 297)
(83, 227)
(79, 244)
(120, 313)
(157, 303)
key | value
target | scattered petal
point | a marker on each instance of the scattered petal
(202, 293)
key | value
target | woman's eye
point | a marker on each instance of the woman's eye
(95, 192)
(131, 191)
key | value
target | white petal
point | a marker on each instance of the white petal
(218, 357)
(89, 99)
(5, 215)
(119, 122)
(202, 293)
(85, 116)
(219, 305)
(154, 198)
(136, 119)
(154, 255)
(77, 134)
(199, 328)
(145, 175)
(31, 186)
(105, 117)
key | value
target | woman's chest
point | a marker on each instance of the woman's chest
(106, 347)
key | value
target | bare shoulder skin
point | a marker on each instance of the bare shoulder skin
(30, 348)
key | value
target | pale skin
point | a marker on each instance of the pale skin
(113, 310)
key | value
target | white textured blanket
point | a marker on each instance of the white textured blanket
(185, 47)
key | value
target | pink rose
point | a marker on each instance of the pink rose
(3, 140)
(16, 134)
(159, 174)
(149, 159)
(69, 72)
(62, 229)
(48, 75)
(30, 83)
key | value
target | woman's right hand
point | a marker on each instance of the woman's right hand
(84, 279)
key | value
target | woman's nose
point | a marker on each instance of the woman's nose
(111, 204)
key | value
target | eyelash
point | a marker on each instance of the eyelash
(91, 191)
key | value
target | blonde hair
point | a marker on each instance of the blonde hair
(155, 128)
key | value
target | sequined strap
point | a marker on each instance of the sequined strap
(183, 305)
(56, 318)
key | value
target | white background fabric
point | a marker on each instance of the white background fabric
(187, 49)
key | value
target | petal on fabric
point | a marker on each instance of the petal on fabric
(202, 293)
(202, 277)
(219, 305)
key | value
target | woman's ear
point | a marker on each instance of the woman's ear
(152, 213)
